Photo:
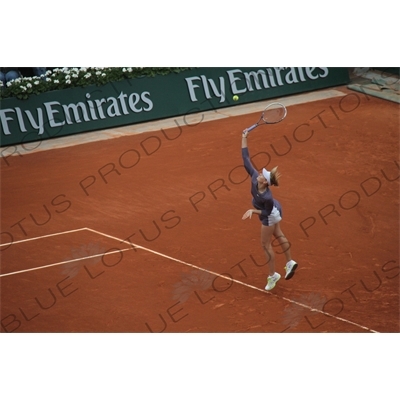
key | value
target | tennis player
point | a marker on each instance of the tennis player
(269, 212)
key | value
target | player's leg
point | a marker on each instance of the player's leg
(283, 242)
(291, 265)
(266, 238)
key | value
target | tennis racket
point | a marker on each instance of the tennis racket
(272, 114)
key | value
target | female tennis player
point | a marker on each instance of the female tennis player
(270, 214)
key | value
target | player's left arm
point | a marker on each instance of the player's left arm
(265, 212)
(250, 212)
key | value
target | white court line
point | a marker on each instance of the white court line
(41, 237)
(63, 262)
(234, 280)
(59, 263)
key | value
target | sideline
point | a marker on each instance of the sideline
(136, 246)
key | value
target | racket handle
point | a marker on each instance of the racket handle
(252, 127)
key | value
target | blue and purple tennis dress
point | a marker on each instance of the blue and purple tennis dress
(271, 210)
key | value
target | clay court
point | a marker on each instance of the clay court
(143, 231)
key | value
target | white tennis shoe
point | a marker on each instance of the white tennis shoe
(290, 269)
(272, 281)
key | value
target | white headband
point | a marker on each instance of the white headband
(267, 176)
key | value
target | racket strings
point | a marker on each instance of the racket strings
(275, 114)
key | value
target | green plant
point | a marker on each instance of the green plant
(63, 78)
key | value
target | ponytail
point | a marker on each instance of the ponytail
(275, 176)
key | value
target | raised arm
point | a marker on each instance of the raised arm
(246, 156)
(244, 139)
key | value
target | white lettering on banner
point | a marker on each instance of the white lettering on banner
(191, 86)
(278, 75)
(51, 113)
(39, 125)
(326, 72)
(91, 107)
(122, 96)
(291, 77)
(20, 119)
(56, 114)
(74, 108)
(248, 81)
(4, 119)
(208, 86)
(233, 79)
(113, 110)
(146, 99)
(99, 108)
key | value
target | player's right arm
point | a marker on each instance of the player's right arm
(246, 156)
(244, 139)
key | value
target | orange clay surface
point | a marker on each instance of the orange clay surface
(180, 194)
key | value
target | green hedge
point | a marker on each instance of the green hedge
(65, 78)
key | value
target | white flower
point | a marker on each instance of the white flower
(23, 88)
(98, 73)
(67, 82)
(56, 81)
(123, 69)
(28, 85)
(103, 74)
(48, 72)
(75, 75)
(129, 69)
(36, 83)
(88, 75)
(48, 80)
(9, 83)
(67, 77)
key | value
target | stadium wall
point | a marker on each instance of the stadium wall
(82, 109)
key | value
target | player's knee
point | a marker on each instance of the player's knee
(265, 244)
(269, 252)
